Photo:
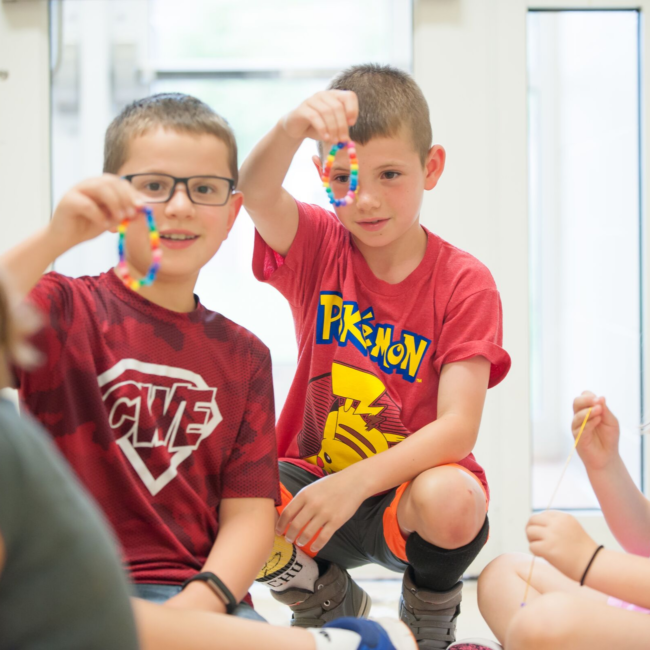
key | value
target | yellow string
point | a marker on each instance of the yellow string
(550, 503)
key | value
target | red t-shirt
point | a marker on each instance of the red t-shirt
(161, 414)
(369, 352)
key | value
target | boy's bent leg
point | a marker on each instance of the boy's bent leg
(438, 524)
(317, 591)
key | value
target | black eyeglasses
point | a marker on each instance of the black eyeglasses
(202, 190)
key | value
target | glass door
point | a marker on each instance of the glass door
(585, 237)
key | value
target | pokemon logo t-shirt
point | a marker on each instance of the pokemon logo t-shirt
(370, 353)
(161, 415)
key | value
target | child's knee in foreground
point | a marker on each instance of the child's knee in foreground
(542, 623)
(447, 510)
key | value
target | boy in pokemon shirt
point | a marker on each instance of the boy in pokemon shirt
(399, 338)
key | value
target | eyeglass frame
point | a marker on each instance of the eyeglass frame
(231, 183)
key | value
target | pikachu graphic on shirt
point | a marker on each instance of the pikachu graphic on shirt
(353, 428)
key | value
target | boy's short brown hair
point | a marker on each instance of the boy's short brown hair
(389, 99)
(175, 111)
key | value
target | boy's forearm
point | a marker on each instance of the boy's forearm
(26, 262)
(621, 575)
(626, 510)
(265, 168)
(243, 544)
(447, 440)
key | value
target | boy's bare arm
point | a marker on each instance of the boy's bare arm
(326, 116)
(86, 211)
(330, 502)
(244, 542)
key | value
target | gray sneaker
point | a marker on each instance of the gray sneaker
(430, 615)
(335, 595)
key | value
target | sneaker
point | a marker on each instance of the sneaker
(430, 615)
(383, 634)
(475, 644)
(335, 595)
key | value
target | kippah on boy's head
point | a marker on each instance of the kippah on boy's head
(389, 101)
(174, 111)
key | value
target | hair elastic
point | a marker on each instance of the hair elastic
(156, 253)
(348, 199)
(593, 557)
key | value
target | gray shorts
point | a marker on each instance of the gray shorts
(362, 539)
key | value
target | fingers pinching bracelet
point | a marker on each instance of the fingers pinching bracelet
(593, 557)
(224, 594)
(348, 199)
(154, 239)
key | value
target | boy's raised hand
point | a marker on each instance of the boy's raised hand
(325, 116)
(599, 442)
(91, 208)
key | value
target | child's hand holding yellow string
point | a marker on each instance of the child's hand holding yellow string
(599, 444)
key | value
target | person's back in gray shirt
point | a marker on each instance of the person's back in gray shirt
(61, 583)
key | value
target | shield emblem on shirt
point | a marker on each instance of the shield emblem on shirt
(159, 415)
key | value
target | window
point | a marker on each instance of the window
(585, 235)
(252, 62)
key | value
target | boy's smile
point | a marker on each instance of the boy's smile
(190, 234)
(392, 180)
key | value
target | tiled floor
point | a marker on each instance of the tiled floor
(384, 588)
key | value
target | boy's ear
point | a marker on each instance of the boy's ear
(318, 164)
(236, 201)
(434, 166)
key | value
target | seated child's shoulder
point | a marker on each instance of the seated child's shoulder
(218, 327)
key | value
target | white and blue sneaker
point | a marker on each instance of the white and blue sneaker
(382, 634)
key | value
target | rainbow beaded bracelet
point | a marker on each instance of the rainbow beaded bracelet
(349, 198)
(154, 239)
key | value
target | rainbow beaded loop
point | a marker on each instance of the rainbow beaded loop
(154, 239)
(349, 198)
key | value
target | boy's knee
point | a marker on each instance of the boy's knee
(450, 513)
(543, 624)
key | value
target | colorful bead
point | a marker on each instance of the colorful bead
(156, 253)
(349, 198)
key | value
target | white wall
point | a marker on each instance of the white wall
(465, 65)
(24, 120)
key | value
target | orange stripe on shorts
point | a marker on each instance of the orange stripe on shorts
(395, 540)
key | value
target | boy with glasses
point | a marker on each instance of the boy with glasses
(164, 408)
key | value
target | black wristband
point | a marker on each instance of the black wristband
(593, 557)
(218, 587)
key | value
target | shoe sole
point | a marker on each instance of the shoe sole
(399, 633)
(364, 607)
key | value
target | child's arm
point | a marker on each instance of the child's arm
(325, 116)
(86, 211)
(626, 510)
(560, 539)
(330, 502)
(244, 542)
